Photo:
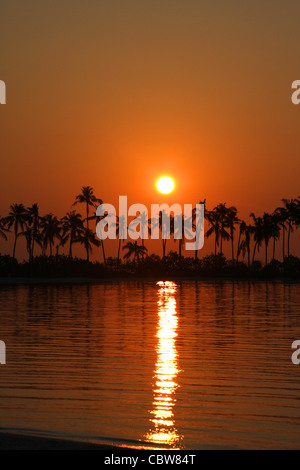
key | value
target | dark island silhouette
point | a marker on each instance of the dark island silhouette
(50, 234)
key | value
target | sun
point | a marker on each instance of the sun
(165, 185)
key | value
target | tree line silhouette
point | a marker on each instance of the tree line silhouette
(246, 239)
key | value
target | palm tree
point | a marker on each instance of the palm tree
(194, 218)
(72, 225)
(143, 220)
(16, 218)
(244, 245)
(97, 218)
(215, 226)
(121, 230)
(133, 248)
(163, 227)
(275, 229)
(87, 238)
(291, 206)
(268, 232)
(263, 232)
(31, 235)
(242, 230)
(3, 228)
(221, 212)
(297, 215)
(281, 214)
(50, 229)
(231, 220)
(88, 198)
(258, 232)
(34, 220)
(178, 230)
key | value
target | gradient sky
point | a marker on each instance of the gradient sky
(112, 94)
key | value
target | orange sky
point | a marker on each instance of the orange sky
(114, 94)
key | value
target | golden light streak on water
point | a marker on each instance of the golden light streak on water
(163, 430)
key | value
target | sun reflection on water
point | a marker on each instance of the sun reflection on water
(163, 430)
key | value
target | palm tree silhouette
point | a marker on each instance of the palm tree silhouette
(242, 229)
(181, 227)
(121, 230)
(165, 228)
(34, 221)
(281, 214)
(97, 218)
(30, 235)
(143, 220)
(177, 229)
(16, 218)
(3, 228)
(215, 228)
(88, 239)
(31, 231)
(72, 225)
(88, 198)
(222, 213)
(135, 250)
(222, 221)
(244, 245)
(297, 216)
(262, 232)
(292, 217)
(194, 218)
(50, 229)
(258, 233)
(268, 232)
(275, 229)
(231, 220)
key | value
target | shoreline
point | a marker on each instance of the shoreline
(13, 281)
(19, 441)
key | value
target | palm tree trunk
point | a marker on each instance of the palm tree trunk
(288, 244)
(30, 244)
(70, 248)
(103, 252)
(119, 249)
(283, 242)
(274, 240)
(238, 248)
(266, 253)
(254, 252)
(15, 243)
(143, 244)
(87, 228)
(33, 235)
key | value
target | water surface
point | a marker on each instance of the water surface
(194, 365)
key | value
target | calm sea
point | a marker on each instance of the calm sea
(192, 365)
